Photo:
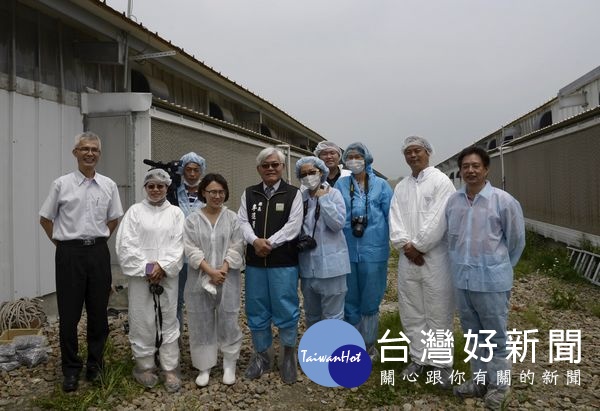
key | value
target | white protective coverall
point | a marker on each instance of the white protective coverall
(213, 319)
(147, 234)
(425, 293)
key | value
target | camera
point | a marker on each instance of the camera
(306, 242)
(156, 289)
(359, 224)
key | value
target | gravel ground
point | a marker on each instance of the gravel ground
(530, 309)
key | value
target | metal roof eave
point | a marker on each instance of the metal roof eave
(158, 102)
(142, 34)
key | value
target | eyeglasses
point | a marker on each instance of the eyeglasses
(309, 173)
(274, 165)
(93, 150)
(157, 186)
(216, 193)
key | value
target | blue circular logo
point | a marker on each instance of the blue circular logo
(332, 353)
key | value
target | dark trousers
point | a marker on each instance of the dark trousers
(83, 276)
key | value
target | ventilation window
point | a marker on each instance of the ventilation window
(491, 144)
(546, 119)
(265, 131)
(215, 111)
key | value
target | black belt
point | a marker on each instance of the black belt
(84, 243)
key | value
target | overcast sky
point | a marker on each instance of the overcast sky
(378, 71)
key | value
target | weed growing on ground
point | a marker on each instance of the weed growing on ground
(115, 385)
(563, 299)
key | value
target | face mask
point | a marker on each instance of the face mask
(356, 166)
(311, 182)
(187, 183)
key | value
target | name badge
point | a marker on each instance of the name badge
(279, 207)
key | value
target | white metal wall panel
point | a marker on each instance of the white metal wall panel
(5, 198)
(36, 138)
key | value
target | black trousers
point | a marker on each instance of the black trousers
(83, 276)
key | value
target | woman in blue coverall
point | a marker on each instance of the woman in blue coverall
(367, 198)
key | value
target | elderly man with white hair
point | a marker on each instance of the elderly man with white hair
(417, 227)
(331, 154)
(271, 217)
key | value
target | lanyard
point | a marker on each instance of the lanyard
(317, 214)
(366, 197)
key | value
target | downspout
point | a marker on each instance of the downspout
(502, 160)
(288, 150)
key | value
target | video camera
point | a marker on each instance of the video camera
(171, 167)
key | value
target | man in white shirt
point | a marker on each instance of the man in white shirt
(78, 216)
(270, 215)
(417, 227)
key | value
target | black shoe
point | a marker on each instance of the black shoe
(92, 374)
(70, 383)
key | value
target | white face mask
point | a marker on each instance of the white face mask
(356, 166)
(311, 182)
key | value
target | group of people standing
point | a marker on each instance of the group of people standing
(333, 235)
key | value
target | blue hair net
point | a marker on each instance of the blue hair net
(192, 157)
(362, 149)
(317, 162)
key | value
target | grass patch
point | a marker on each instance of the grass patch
(533, 317)
(595, 309)
(545, 256)
(115, 385)
(391, 291)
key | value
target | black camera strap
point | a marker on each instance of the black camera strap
(158, 320)
(366, 197)
(317, 214)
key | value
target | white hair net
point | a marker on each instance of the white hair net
(157, 175)
(325, 145)
(417, 141)
(317, 162)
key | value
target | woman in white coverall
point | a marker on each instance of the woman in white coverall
(150, 250)
(417, 227)
(214, 246)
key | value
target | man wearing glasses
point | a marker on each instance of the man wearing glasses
(271, 218)
(79, 214)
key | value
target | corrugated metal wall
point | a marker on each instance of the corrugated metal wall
(234, 159)
(557, 181)
(36, 139)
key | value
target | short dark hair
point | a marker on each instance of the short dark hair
(209, 178)
(485, 158)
